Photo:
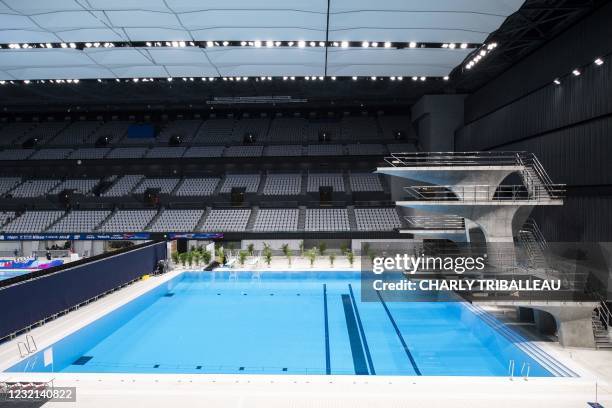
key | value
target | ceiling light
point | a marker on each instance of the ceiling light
(387, 44)
(444, 45)
(344, 44)
(576, 72)
(269, 44)
(483, 53)
(354, 78)
(320, 78)
(446, 78)
(209, 44)
(26, 81)
(373, 78)
(292, 78)
(400, 78)
(169, 79)
(76, 81)
(335, 43)
(49, 45)
(451, 46)
(284, 78)
(63, 45)
(307, 78)
(463, 46)
(278, 43)
(313, 44)
(245, 78)
(321, 44)
(422, 78)
(333, 78)
(414, 78)
(374, 44)
(88, 45)
(556, 81)
(412, 44)
(301, 44)
(182, 44)
(243, 43)
(599, 61)
(290, 43)
(257, 43)
(225, 43)
(365, 44)
(72, 45)
(269, 78)
(392, 78)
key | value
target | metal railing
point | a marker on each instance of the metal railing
(432, 222)
(483, 193)
(532, 226)
(420, 159)
(605, 316)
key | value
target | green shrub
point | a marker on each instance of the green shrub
(322, 248)
(206, 257)
(332, 258)
(351, 257)
(242, 255)
(251, 249)
(312, 256)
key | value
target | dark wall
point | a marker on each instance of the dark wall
(28, 302)
(568, 126)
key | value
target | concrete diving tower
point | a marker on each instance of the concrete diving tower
(468, 185)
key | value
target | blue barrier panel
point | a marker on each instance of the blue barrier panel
(27, 302)
(141, 132)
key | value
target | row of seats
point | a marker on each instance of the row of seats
(166, 152)
(214, 130)
(275, 184)
(216, 220)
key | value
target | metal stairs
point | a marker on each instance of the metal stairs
(601, 326)
(252, 218)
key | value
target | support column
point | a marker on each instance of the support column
(574, 324)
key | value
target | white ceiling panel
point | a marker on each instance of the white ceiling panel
(42, 58)
(118, 56)
(16, 22)
(67, 72)
(495, 7)
(191, 70)
(39, 7)
(67, 20)
(89, 34)
(185, 6)
(150, 5)
(26, 36)
(237, 61)
(405, 62)
(157, 34)
(139, 71)
(181, 56)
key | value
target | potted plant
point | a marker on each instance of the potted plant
(302, 248)
(242, 255)
(251, 249)
(206, 257)
(267, 253)
(175, 257)
(312, 256)
(183, 258)
(190, 258)
(351, 257)
(285, 248)
(322, 248)
(289, 254)
(343, 248)
(197, 256)
(332, 258)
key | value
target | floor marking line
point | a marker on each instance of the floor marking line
(399, 335)
(327, 356)
(362, 331)
(359, 360)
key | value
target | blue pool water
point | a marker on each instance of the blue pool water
(12, 273)
(284, 323)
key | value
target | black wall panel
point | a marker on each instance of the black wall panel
(28, 302)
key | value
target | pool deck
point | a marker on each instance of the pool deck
(223, 390)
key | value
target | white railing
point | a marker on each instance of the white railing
(433, 222)
(482, 193)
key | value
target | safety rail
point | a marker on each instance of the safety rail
(532, 226)
(420, 159)
(442, 222)
(483, 193)
(605, 316)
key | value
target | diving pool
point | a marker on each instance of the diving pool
(285, 323)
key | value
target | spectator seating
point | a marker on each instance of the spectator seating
(197, 187)
(128, 221)
(222, 220)
(82, 186)
(185, 129)
(389, 124)
(249, 181)
(288, 130)
(377, 219)
(89, 153)
(50, 154)
(368, 149)
(165, 152)
(127, 153)
(7, 183)
(284, 150)
(283, 184)
(34, 188)
(365, 182)
(204, 151)
(14, 131)
(79, 221)
(257, 126)
(316, 180)
(332, 128)
(276, 219)
(123, 186)
(32, 221)
(44, 132)
(328, 219)
(402, 148)
(115, 130)
(165, 185)
(6, 216)
(76, 133)
(215, 131)
(177, 221)
(359, 128)
(16, 154)
(243, 151)
(325, 150)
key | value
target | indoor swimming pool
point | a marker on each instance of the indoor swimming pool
(285, 323)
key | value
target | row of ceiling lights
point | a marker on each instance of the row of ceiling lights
(230, 79)
(577, 72)
(482, 52)
(255, 44)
